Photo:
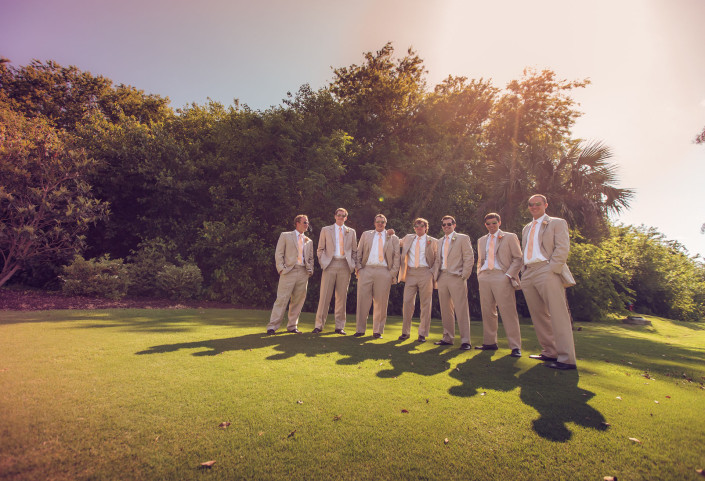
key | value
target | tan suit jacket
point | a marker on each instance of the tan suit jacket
(326, 246)
(554, 242)
(391, 252)
(432, 258)
(506, 251)
(286, 254)
(460, 256)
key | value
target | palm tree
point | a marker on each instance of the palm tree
(579, 184)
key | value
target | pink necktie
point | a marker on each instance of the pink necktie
(530, 247)
(445, 252)
(301, 249)
(341, 241)
(379, 249)
(490, 254)
(417, 251)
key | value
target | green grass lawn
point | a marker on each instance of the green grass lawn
(140, 394)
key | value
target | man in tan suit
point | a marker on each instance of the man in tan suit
(337, 254)
(294, 260)
(376, 270)
(545, 275)
(419, 268)
(498, 263)
(457, 258)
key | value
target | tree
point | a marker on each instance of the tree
(45, 203)
(66, 96)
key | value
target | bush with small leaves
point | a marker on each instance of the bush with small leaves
(180, 282)
(103, 277)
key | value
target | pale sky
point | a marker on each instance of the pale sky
(644, 57)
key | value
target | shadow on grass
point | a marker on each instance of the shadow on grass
(402, 356)
(559, 401)
(555, 395)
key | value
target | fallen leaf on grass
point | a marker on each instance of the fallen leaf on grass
(445, 441)
(291, 434)
(427, 401)
(605, 424)
(635, 440)
(701, 472)
(668, 397)
(457, 369)
(656, 402)
(299, 402)
(619, 397)
(156, 439)
(337, 417)
(482, 393)
(208, 464)
(405, 411)
(260, 433)
(224, 424)
(610, 478)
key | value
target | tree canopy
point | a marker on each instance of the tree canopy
(217, 183)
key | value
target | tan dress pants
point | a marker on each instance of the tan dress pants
(292, 285)
(373, 286)
(418, 280)
(335, 278)
(545, 297)
(453, 297)
(496, 291)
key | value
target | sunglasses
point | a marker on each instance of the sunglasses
(447, 224)
(304, 222)
(535, 204)
(341, 215)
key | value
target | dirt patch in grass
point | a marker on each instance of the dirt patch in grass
(36, 300)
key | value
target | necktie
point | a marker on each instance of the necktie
(379, 248)
(301, 249)
(341, 241)
(446, 244)
(417, 251)
(490, 254)
(530, 247)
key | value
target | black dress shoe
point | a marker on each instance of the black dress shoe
(443, 343)
(561, 365)
(358, 334)
(541, 357)
(294, 331)
(271, 332)
(487, 347)
(403, 337)
(340, 331)
(377, 335)
(421, 339)
(316, 330)
(516, 353)
(465, 346)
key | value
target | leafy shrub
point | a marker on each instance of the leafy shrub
(144, 265)
(101, 277)
(180, 282)
(601, 284)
